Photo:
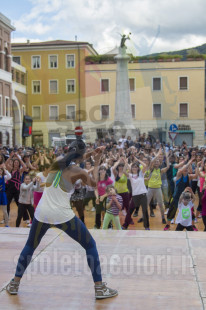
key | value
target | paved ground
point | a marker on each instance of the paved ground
(150, 269)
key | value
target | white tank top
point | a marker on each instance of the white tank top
(54, 206)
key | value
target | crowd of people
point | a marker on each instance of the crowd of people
(131, 174)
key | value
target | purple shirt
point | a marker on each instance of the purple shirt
(114, 208)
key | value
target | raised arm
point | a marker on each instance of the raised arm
(114, 168)
(180, 165)
(198, 171)
(153, 160)
(72, 174)
(180, 171)
(145, 167)
(164, 170)
(7, 175)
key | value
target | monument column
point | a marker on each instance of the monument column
(123, 112)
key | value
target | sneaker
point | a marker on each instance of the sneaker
(124, 228)
(2, 222)
(199, 216)
(152, 214)
(27, 221)
(131, 222)
(194, 228)
(93, 209)
(13, 287)
(172, 221)
(163, 221)
(167, 227)
(29, 225)
(6, 225)
(124, 212)
(102, 291)
(147, 228)
(140, 220)
(196, 220)
(166, 211)
(135, 214)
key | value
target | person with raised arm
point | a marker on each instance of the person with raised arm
(139, 191)
(155, 182)
(182, 181)
(54, 210)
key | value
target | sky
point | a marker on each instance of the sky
(155, 25)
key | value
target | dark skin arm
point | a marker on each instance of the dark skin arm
(72, 174)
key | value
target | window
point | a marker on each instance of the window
(36, 113)
(104, 111)
(156, 84)
(157, 110)
(1, 106)
(104, 85)
(133, 107)
(53, 61)
(7, 107)
(70, 112)
(36, 62)
(53, 112)
(132, 84)
(17, 77)
(6, 60)
(183, 83)
(17, 59)
(70, 61)
(70, 86)
(36, 87)
(183, 110)
(53, 87)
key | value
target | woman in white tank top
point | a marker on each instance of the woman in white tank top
(54, 210)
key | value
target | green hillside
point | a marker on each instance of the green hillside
(194, 51)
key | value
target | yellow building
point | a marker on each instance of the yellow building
(162, 93)
(55, 86)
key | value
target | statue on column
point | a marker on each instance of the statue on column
(123, 39)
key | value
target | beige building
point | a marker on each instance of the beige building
(162, 93)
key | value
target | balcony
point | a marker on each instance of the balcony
(5, 76)
(18, 67)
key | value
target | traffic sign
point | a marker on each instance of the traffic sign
(173, 127)
(78, 131)
(173, 135)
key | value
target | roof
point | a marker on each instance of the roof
(51, 44)
(55, 42)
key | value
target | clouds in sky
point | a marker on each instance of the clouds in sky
(156, 26)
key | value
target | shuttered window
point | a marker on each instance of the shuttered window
(183, 110)
(157, 110)
(156, 83)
